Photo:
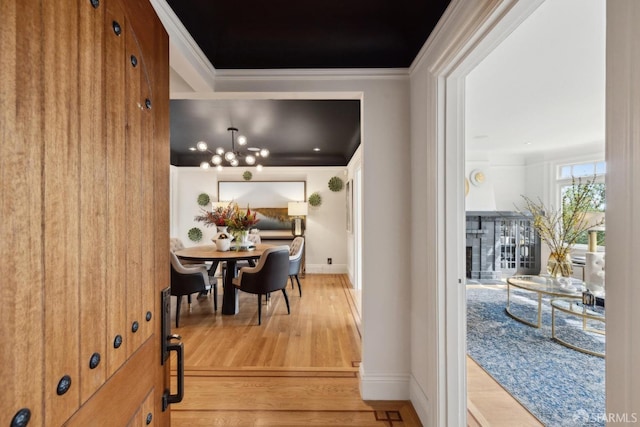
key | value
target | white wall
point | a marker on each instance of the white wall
(509, 176)
(354, 165)
(386, 198)
(326, 235)
(503, 185)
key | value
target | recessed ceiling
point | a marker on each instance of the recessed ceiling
(255, 34)
(292, 130)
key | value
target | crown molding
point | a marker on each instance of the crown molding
(315, 74)
(185, 56)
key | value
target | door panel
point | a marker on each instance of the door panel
(93, 204)
(133, 208)
(61, 234)
(123, 394)
(21, 251)
(115, 167)
(84, 168)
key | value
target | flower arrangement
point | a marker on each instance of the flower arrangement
(559, 229)
(217, 217)
(241, 220)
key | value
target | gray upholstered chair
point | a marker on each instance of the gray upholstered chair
(295, 260)
(268, 276)
(188, 280)
(175, 244)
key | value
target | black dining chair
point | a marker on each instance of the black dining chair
(188, 281)
(268, 276)
(295, 260)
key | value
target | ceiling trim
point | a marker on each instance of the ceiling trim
(185, 56)
(316, 74)
(269, 95)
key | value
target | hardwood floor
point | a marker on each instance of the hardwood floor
(293, 370)
(299, 369)
(490, 405)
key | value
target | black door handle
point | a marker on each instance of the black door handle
(167, 397)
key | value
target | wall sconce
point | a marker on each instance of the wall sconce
(297, 210)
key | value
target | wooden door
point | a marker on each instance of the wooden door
(84, 216)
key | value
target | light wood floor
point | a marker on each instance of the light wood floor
(293, 370)
(299, 369)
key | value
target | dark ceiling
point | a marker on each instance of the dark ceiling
(252, 34)
(290, 129)
(259, 34)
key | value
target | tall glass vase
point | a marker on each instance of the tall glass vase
(559, 264)
(241, 238)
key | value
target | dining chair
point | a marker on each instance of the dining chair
(295, 260)
(268, 276)
(188, 280)
(175, 244)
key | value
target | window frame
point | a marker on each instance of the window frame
(564, 181)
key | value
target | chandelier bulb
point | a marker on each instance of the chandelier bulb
(219, 168)
(259, 167)
(204, 165)
(234, 162)
(242, 140)
(220, 151)
(216, 159)
(250, 159)
(264, 152)
(229, 156)
(201, 146)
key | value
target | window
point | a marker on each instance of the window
(566, 175)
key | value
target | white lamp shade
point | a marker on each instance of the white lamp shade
(297, 208)
(594, 218)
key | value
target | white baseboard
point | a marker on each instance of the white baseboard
(326, 268)
(420, 403)
(384, 386)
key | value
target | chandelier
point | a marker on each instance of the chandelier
(233, 156)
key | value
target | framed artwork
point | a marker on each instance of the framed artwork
(349, 193)
(269, 199)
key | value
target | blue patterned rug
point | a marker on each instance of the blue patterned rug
(558, 385)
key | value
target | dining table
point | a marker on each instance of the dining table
(210, 253)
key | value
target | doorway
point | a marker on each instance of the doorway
(474, 139)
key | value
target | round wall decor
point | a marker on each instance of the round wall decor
(477, 177)
(247, 176)
(203, 199)
(195, 234)
(336, 183)
(315, 199)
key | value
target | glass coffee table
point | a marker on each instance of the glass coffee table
(542, 285)
(576, 308)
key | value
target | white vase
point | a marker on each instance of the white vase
(223, 245)
(221, 229)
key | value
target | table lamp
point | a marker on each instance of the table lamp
(297, 210)
(596, 218)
